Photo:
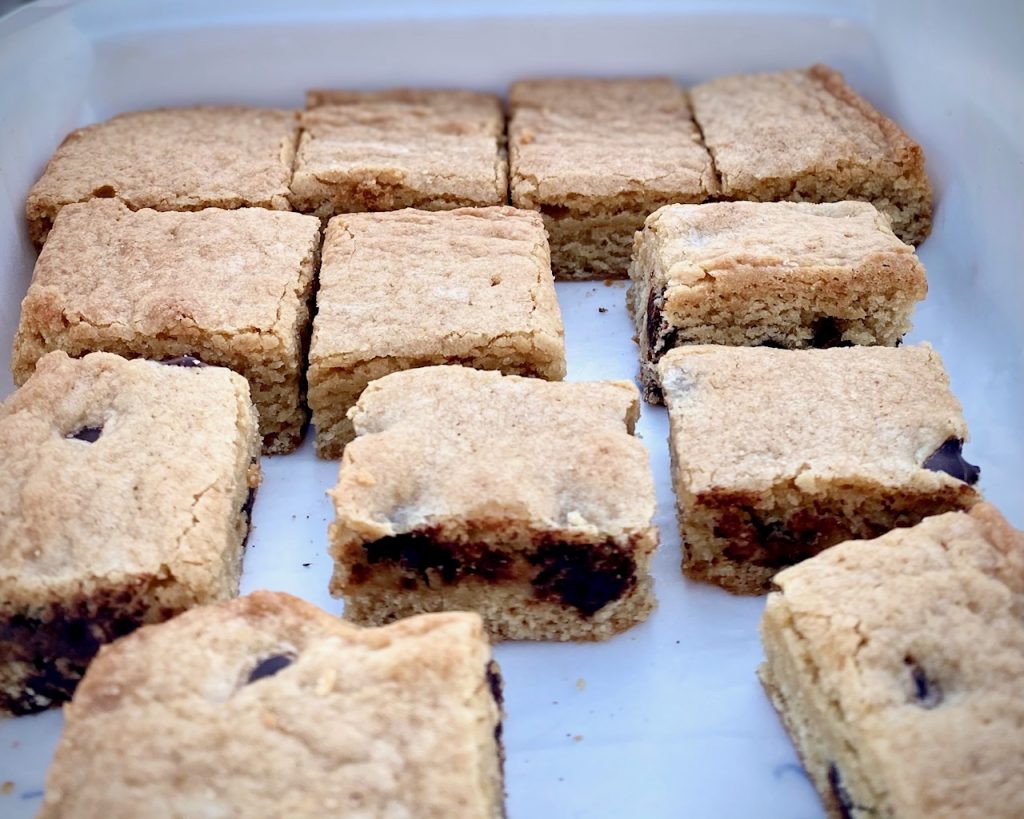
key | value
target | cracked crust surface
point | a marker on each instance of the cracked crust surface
(587, 153)
(480, 458)
(151, 515)
(235, 157)
(411, 288)
(390, 150)
(390, 722)
(751, 273)
(804, 135)
(896, 665)
(230, 287)
(830, 443)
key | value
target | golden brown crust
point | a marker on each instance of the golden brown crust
(236, 157)
(783, 273)
(378, 152)
(379, 722)
(412, 288)
(896, 663)
(230, 287)
(804, 135)
(143, 522)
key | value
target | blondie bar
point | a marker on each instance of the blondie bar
(595, 157)
(806, 136)
(777, 274)
(229, 287)
(524, 500)
(125, 494)
(267, 706)
(171, 159)
(778, 454)
(389, 150)
(410, 288)
(896, 664)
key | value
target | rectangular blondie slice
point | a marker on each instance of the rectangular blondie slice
(805, 135)
(380, 151)
(896, 665)
(411, 288)
(267, 707)
(778, 454)
(595, 157)
(527, 501)
(171, 159)
(778, 274)
(125, 494)
(228, 287)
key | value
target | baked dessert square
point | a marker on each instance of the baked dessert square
(228, 287)
(896, 666)
(380, 151)
(171, 159)
(527, 501)
(805, 135)
(125, 497)
(595, 157)
(778, 454)
(778, 274)
(410, 288)
(266, 706)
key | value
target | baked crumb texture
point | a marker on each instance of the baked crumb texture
(595, 157)
(526, 501)
(778, 454)
(411, 288)
(379, 151)
(782, 274)
(229, 287)
(804, 135)
(125, 497)
(896, 666)
(266, 706)
(171, 159)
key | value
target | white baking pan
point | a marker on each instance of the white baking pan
(668, 720)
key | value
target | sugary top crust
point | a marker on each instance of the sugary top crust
(767, 128)
(736, 244)
(473, 104)
(446, 153)
(369, 722)
(156, 495)
(174, 159)
(751, 417)
(439, 444)
(599, 146)
(420, 283)
(942, 602)
(109, 271)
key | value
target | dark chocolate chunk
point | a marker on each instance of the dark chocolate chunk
(660, 336)
(250, 499)
(88, 434)
(425, 557)
(584, 576)
(927, 692)
(269, 666)
(949, 458)
(842, 796)
(184, 361)
(497, 692)
(826, 331)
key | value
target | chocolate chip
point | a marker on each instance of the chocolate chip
(88, 434)
(842, 796)
(660, 336)
(184, 361)
(583, 576)
(250, 499)
(826, 331)
(269, 666)
(494, 681)
(949, 458)
(423, 554)
(927, 693)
